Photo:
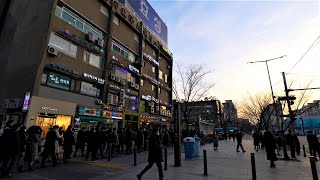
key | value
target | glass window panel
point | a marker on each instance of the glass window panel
(73, 51)
(86, 29)
(79, 25)
(88, 89)
(86, 56)
(58, 11)
(95, 61)
(68, 18)
(59, 43)
(131, 57)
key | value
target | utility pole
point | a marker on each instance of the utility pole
(291, 115)
(177, 134)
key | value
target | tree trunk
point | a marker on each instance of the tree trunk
(285, 153)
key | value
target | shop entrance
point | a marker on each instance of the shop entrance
(45, 121)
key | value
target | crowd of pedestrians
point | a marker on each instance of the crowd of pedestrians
(21, 148)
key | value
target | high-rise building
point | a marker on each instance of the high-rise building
(82, 62)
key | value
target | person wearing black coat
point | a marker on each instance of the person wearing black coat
(138, 141)
(239, 141)
(80, 143)
(256, 140)
(93, 144)
(128, 141)
(296, 143)
(49, 147)
(314, 146)
(11, 149)
(290, 140)
(155, 154)
(270, 145)
(166, 139)
(23, 142)
(68, 143)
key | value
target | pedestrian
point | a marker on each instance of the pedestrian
(314, 146)
(290, 141)
(165, 139)
(128, 140)
(256, 140)
(279, 142)
(215, 141)
(23, 142)
(114, 140)
(121, 141)
(92, 145)
(59, 140)
(270, 145)
(239, 136)
(68, 143)
(31, 148)
(154, 155)
(11, 149)
(80, 142)
(145, 139)
(261, 140)
(296, 143)
(138, 141)
(50, 146)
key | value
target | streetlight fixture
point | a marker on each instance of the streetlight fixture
(266, 61)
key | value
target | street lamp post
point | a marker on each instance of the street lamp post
(266, 61)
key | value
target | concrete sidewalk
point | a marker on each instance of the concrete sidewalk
(223, 164)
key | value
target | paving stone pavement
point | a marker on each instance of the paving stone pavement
(223, 164)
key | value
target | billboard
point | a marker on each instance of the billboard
(150, 18)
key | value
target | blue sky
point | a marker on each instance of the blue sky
(227, 34)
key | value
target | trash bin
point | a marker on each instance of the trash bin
(197, 146)
(188, 147)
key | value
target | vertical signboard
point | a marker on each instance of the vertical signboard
(150, 18)
(26, 102)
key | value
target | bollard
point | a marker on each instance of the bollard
(109, 154)
(313, 167)
(304, 151)
(205, 162)
(134, 156)
(253, 165)
(165, 159)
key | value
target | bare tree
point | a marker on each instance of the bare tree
(255, 107)
(230, 115)
(189, 85)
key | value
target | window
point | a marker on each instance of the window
(153, 69)
(141, 82)
(122, 51)
(136, 37)
(116, 20)
(93, 60)
(131, 57)
(153, 87)
(62, 45)
(165, 78)
(160, 74)
(71, 18)
(89, 89)
(104, 10)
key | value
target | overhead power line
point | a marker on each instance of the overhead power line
(309, 49)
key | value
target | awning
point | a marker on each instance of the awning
(93, 118)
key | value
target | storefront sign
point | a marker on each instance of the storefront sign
(89, 111)
(133, 69)
(26, 101)
(150, 18)
(150, 58)
(116, 115)
(107, 114)
(59, 81)
(49, 109)
(146, 97)
(166, 50)
(63, 68)
(89, 89)
(99, 80)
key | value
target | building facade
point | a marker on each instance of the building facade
(83, 62)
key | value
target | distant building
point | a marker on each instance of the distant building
(230, 113)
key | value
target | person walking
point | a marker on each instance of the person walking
(154, 155)
(23, 142)
(128, 140)
(114, 141)
(80, 143)
(290, 140)
(31, 148)
(256, 141)
(92, 145)
(68, 143)
(50, 147)
(11, 150)
(215, 141)
(138, 141)
(261, 140)
(121, 141)
(270, 145)
(239, 136)
(296, 143)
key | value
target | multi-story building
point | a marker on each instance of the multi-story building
(207, 111)
(82, 62)
(230, 113)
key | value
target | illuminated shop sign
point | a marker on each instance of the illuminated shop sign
(150, 58)
(150, 18)
(59, 81)
(49, 108)
(133, 69)
(99, 80)
(26, 101)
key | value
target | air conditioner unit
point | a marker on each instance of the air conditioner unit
(123, 82)
(161, 111)
(152, 110)
(52, 51)
(113, 77)
(100, 42)
(132, 84)
(152, 103)
(111, 66)
(90, 37)
(137, 86)
(118, 79)
(110, 98)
